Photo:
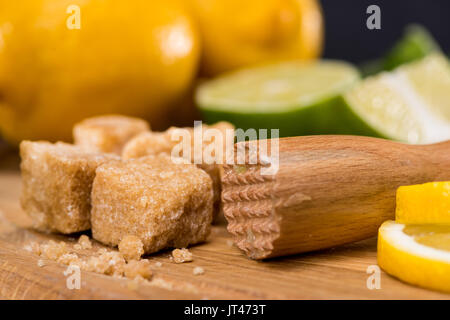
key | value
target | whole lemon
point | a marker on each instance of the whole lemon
(64, 60)
(237, 33)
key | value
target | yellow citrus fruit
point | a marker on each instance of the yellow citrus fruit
(238, 33)
(64, 60)
(417, 254)
(424, 203)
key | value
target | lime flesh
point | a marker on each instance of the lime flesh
(410, 104)
(296, 97)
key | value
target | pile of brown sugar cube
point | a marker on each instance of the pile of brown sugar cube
(120, 180)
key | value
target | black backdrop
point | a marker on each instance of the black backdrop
(348, 38)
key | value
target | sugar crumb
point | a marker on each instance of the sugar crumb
(53, 250)
(68, 258)
(141, 268)
(198, 271)
(85, 242)
(135, 283)
(35, 247)
(182, 255)
(104, 261)
(131, 247)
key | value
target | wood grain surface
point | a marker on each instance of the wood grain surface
(338, 273)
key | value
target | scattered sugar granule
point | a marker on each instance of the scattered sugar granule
(97, 265)
(198, 271)
(106, 262)
(107, 133)
(53, 250)
(182, 255)
(134, 284)
(131, 247)
(102, 250)
(230, 243)
(85, 242)
(135, 268)
(158, 264)
(33, 247)
(68, 258)
(111, 263)
(56, 185)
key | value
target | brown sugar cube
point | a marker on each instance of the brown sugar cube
(107, 133)
(153, 143)
(182, 255)
(56, 185)
(162, 203)
(131, 248)
(147, 143)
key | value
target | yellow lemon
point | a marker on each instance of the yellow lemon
(417, 254)
(424, 203)
(64, 60)
(238, 33)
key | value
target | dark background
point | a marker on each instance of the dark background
(348, 38)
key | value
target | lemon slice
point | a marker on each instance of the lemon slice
(417, 254)
(409, 104)
(424, 203)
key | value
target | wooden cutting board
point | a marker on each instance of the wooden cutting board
(338, 273)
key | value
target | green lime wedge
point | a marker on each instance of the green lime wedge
(298, 98)
(415, 44)
(410, 104)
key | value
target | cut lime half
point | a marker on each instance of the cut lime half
(296, 97)
(410, 104)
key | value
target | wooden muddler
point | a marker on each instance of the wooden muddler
(328, 190)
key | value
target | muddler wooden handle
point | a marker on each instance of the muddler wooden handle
(329, 190)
